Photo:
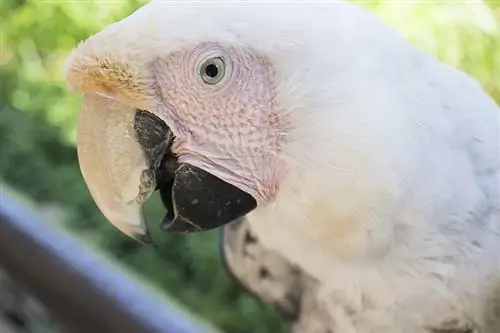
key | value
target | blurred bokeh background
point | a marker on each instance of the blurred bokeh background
(37, 133)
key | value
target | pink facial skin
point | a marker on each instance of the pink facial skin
(233, 129)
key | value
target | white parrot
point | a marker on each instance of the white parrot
(358, 157)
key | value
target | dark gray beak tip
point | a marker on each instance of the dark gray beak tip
(145, 239)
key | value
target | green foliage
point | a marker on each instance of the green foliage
(37, 151)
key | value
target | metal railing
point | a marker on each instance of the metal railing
(80, 289)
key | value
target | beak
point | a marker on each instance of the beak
(124, 156)
(113, 165)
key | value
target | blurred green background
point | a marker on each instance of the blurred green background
(37, 130)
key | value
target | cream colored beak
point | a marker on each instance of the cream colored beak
(113, 164)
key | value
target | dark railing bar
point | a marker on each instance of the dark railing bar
(85, 292)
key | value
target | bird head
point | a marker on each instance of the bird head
(221, 105)
(186, 100)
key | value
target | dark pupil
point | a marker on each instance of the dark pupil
(211, 70)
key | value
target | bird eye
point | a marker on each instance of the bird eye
(212, 70)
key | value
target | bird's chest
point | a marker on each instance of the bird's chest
(323, 248)
(368, 290)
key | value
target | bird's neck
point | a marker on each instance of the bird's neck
(332, 213)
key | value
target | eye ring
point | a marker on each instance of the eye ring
(212, 70)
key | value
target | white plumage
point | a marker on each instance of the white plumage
(384, 176)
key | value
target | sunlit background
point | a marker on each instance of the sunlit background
(37, 130)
